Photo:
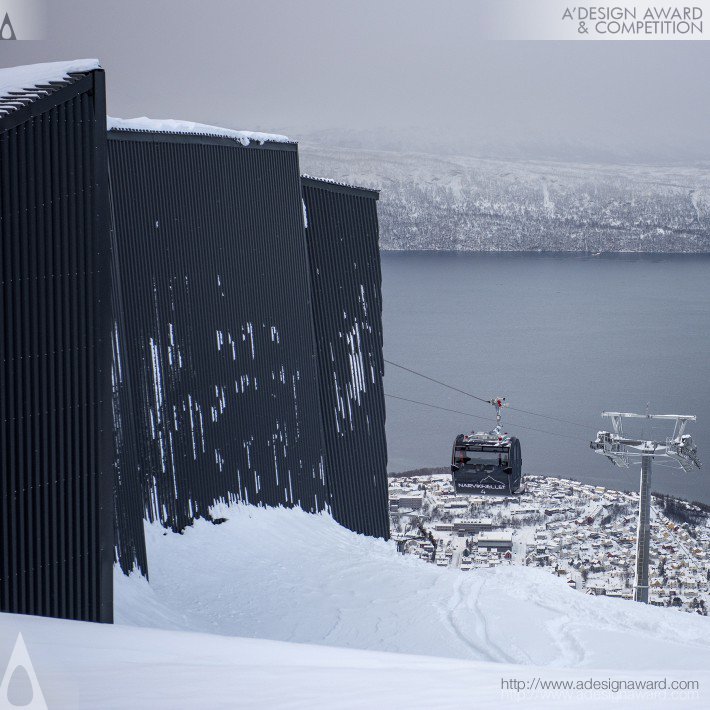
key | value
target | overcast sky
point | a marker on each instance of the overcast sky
(301, 65)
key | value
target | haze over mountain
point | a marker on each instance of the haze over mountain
(500, 142)
(417, 73)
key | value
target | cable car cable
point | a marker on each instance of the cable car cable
(443, 384)
(436, 406)
(547, 416)
(487, 401)
(478, 416)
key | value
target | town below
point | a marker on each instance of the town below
(585, 534)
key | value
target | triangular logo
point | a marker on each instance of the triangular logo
(490, 479)
(6, 29)
(20, 658)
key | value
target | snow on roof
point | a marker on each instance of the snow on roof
(26, 78)
(495, 537)
(171, 125)
(339, 184)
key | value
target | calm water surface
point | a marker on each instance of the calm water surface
(564, 335)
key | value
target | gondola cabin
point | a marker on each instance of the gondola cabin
(486, 464)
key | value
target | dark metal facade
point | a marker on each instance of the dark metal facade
(56, 483)
(214, 346)
(343, 247)
(129, 497)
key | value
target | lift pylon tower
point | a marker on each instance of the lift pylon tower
(622, 451)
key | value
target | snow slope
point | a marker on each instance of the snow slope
(286, 575)
(83, 666)
(280, 576)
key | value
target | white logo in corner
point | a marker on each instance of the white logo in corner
(20, 658)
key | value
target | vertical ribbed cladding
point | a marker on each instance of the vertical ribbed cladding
(129, 498)
(215, 329)
(56, 483)
(343, 247)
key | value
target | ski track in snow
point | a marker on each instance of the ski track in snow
(285, 575)
(450, 613)
(500, 654)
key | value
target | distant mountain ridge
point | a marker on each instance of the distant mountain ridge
(462, 203)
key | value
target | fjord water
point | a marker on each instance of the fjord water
(565, 335)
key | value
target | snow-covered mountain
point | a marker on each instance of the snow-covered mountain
(436, 200)
(248, 613)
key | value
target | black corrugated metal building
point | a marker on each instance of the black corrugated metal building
(214, 334)
(247, 361)
(243, 354)
(56, 482)
(343, 247)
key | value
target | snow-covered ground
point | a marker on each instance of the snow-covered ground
(86, 667)
(228, 602)
(286, 575)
